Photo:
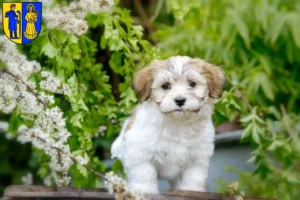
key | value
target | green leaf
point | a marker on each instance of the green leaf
(115, 62)
(252, 159)
(255, 133)
(276, 27)
(294, 21)
(246, 119)
(247, 132)
(241, 27)
(82, 170)
(266, 85)
(77, 119)
(49, 50)
(117, 167)
(275, 144)
(266, 65)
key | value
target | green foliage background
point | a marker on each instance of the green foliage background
(257, 42)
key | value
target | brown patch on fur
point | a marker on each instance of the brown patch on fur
(143, 80)
(214, 76)
(130, 123)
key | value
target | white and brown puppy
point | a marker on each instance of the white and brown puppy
(170, 134)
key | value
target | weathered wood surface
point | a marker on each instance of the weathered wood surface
(191, 195)
(18, 192)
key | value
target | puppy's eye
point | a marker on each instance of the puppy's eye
(166, 86)
(192, 84)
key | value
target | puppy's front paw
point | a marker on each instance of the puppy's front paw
(191, 187)
(145, 188)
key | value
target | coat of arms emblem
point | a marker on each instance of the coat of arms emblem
(22, 22)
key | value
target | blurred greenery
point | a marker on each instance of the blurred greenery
(257, 42)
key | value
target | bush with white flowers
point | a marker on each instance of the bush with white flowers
(56, 94)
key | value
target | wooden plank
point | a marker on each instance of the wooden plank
(55, 192)
(192, 195)
(33, 192)
(184, 194)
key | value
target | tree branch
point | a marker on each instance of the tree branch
(45, 105)
(145, 18)
(27, 86)
(73, 159)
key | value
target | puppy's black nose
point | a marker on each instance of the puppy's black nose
(180, 101)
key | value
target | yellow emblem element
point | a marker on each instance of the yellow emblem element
(31, 18)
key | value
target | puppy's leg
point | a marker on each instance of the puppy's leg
(193, 178)
(143, 178)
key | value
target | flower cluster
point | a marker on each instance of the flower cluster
(49, 131)
(100, 132)
(233, 191)
(16, 63)
(3, 126)
(53, 84)
(12, 88)
(71, 18)
(27, 179)
(123, 191)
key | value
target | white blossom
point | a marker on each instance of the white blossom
(82, 160)
(49, 131)
(101, 131)
(46, 3)
(64, 179)
(22, 137)
(9, 91)
(9, 136)
(29, 104)
(14, 84)
(50, 134)
(239, 198)
(16, 63)
(102, 128)
(27, 179)
(71, 18)
(53, 84)
(49, 99)
(83, 7)
(47, 181)
(116, 184)
(50, 83)
(3, 126)
(66, 90)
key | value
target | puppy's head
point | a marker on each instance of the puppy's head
(180, 85)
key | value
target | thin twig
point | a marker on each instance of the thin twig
(27, 86)
(145, 18)
(74, 160)
(45, 105)
(60, 45)
(285, 120)
(94, 80)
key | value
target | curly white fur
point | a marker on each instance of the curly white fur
(165, 140)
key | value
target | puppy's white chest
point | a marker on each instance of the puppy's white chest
(173, 153)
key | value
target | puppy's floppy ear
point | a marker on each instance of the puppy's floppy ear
(214, 76)
(143, 80)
